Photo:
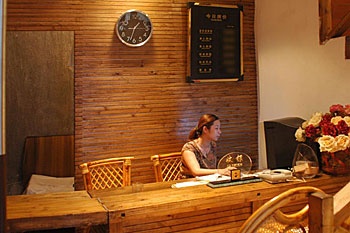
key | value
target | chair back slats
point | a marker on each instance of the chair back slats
(167, 167)
(107, 173)
(271, 217)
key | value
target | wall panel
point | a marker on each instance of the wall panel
(39, 93)
(135, 101)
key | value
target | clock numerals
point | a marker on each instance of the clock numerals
(134, 28)
(146, 25)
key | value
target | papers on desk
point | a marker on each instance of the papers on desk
(188, 184)
(201, 180)
(213, 177)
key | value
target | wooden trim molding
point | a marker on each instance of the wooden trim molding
(341, 28)
(325, 14)
(334, 19)
(347, 47)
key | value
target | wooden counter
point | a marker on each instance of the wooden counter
(160, 208)
(53, 211)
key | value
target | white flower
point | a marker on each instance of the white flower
(300, 135)
(342, 142)
(315, 119)
(347, 120)
(304, 124)
(327, 143)
(335, 120)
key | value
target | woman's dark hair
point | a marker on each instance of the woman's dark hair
(205, 120)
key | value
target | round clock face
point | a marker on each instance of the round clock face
(134, 28)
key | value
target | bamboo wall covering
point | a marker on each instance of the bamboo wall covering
(136, 101)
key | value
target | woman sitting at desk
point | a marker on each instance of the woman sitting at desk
(199, 154)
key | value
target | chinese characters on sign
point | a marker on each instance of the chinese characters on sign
(235, 162)
(216, 17)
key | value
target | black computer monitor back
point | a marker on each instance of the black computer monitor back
(280, 141)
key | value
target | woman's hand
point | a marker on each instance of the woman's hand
(226, 171)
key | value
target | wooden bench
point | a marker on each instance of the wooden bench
(53, 211)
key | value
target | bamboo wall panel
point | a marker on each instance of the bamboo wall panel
(135, 101)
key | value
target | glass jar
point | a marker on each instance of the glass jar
(305, 162)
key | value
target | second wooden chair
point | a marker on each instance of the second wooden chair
(167, 167)
(270, 217)
(107, 173)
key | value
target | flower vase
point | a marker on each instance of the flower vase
(336, 163)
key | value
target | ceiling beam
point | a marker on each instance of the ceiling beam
(325, 14)
(341, 28)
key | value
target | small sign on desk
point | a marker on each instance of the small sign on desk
(243, 180)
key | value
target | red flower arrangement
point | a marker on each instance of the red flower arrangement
(332, 132)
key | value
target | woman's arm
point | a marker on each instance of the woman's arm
(192, 164)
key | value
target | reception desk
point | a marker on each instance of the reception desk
(155, 208)
(160, 208)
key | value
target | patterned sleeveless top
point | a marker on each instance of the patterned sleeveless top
(203, 160)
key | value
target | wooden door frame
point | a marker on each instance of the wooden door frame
(3, 169)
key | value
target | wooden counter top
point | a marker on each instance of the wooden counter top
(53, 210)
(202, 208)
(158, 208)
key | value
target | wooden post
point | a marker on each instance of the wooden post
(321, 216)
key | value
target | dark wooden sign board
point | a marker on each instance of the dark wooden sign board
(214, 43)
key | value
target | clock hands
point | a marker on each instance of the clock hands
(135, 26)
(133, 29)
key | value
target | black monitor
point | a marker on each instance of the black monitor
(280, 141)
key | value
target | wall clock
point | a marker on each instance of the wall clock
(134, 28)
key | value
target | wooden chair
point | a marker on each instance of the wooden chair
(107, 173)
(167, 167)
(274, 216)
(341, 205)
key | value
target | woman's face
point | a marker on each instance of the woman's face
(214, 132)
